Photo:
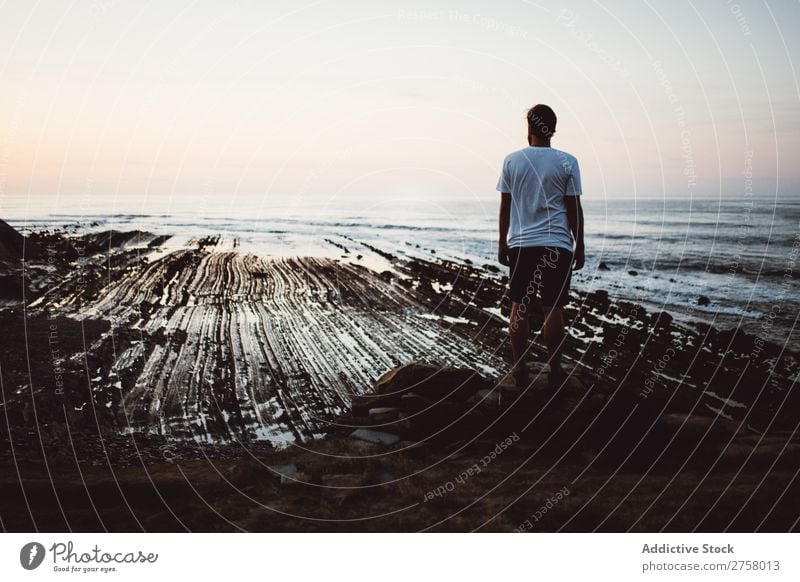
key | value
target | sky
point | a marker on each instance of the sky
(294, 100)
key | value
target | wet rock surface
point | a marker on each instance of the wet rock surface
(206, 342)
(214, 344)
(161, 379)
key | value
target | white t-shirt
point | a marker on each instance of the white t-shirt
(538, 179)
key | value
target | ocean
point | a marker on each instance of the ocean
(732, 263)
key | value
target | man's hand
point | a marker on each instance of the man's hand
(580, 257)
(503, 222)
(575, 217)
(502, 254)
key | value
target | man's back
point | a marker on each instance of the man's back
(540, 213)
(538, 179)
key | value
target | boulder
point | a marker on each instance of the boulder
(14, 246)
(412, 402)
(12, 287)
(678, 439)
(488, 397)
(690, 429)
(362, 404)
(384, 414)
(431, 382)
(661, 320)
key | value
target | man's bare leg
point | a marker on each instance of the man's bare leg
(554, 335)
(518, 331)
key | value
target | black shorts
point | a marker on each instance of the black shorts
(543, 271)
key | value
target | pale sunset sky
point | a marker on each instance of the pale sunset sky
(292, 99)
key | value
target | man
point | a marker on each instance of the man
(541, 238)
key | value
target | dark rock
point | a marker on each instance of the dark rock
(425, 288)
(11, 287)
(343, 481)
(681, 439)
(14, 246)
(703, 300)
(633, 273)
(603, 266)
(375, 436)
(737, 340)
(362, 404)
(661, 320)
(599, 298)
(295, 478)
(436, 417)
(691, 428)
(384, 414)
(250, 470)
(14, 249)
(773, 454)
(488, 397)
(413, 402)
(282, 471)
(432, 382)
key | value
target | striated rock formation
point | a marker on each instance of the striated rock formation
(208, 343)
(154, 380)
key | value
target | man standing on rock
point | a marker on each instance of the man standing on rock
(541, 237)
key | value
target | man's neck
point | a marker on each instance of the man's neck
(538, 142)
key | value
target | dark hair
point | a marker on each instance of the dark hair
(541, 121)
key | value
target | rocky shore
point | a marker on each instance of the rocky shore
(203, 388)
(478, 455)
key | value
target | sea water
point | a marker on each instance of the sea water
(743, 255)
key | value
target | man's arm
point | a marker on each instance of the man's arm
(504, 222)
(575, 217)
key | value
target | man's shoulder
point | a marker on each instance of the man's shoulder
(567, 161)
(565, 155)
(549, 155)
(515, 155)
(527, 152)
(523, 157)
